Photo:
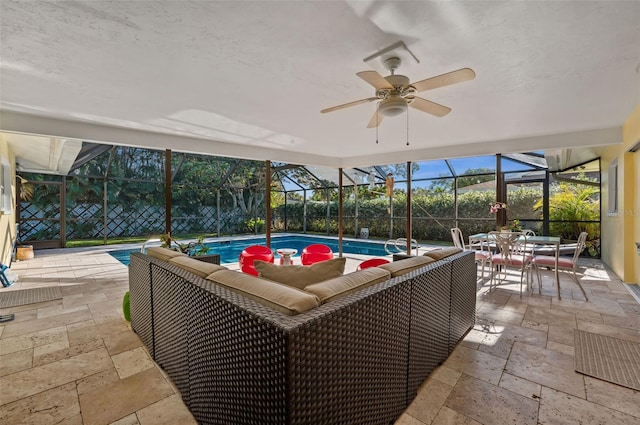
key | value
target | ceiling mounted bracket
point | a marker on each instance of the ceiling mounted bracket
(396, 52)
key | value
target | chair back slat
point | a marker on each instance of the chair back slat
(458, 238)
(512, 251)
(582, 241)
(509, 244)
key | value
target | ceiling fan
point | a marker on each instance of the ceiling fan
(395, 93)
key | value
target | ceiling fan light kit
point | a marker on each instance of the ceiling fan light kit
(392, 106)
(395, 93)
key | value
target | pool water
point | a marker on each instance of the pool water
(230, 249)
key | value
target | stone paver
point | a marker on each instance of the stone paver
(77, 361)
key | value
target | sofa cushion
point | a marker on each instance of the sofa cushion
(398, 268)
(197, 267)
(283, 298)
(440, 253)
(340, 286)
(301, 276)
(163, 254)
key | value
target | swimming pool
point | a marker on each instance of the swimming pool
(230, 249)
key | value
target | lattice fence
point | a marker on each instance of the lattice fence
(86, 221)
(39, 223)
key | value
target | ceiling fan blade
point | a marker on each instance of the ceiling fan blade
(375, 120)
(375, 79)
(429, 107)
(453, 77)
(346, 105)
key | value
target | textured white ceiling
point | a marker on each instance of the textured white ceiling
(249, 78)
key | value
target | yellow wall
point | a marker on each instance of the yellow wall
(8, 221)
(620, 232)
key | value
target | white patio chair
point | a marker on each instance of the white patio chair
(564, 263)
(481, 256)
(512, 252)
(530, 247)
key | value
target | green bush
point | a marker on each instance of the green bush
(254, 225)
(126, 307)
(433, 213)
(573, 209)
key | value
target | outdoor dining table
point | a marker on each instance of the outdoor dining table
(553, 241)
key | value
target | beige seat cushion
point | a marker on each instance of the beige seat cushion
(197, 267)
(439, 254)
(283, 298)
(163, 254)
(398, 268)
(301, 276)
(340, 286)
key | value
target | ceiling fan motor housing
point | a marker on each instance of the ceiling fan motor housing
(397, 80)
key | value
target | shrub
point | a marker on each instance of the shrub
(126, 307)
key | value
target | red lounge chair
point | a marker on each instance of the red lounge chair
(251, 253)
(315, 253)
(373, 262)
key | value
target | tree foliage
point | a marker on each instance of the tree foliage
(573, 208)
(135, 196)
(469, 177)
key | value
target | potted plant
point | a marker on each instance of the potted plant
(26, 189)
(515, 226)
(494, 208)
(192, 249)
(24, 252)
(196, 249)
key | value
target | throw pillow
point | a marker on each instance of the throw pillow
(402, 267)
(163, 254)
(301, 276)
(282, 298)
(441, 253)
(194, 266)
(338, 287)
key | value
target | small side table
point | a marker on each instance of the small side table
(286, 253)
(398, 257)
(209, 258)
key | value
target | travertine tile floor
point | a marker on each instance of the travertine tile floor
(76, 361)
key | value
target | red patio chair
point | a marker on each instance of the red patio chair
(372, 262)
(251, 253)
(315, 253)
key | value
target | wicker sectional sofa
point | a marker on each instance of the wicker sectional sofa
(355, 359)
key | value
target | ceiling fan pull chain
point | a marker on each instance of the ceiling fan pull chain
(377, 120)
(407, 126)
